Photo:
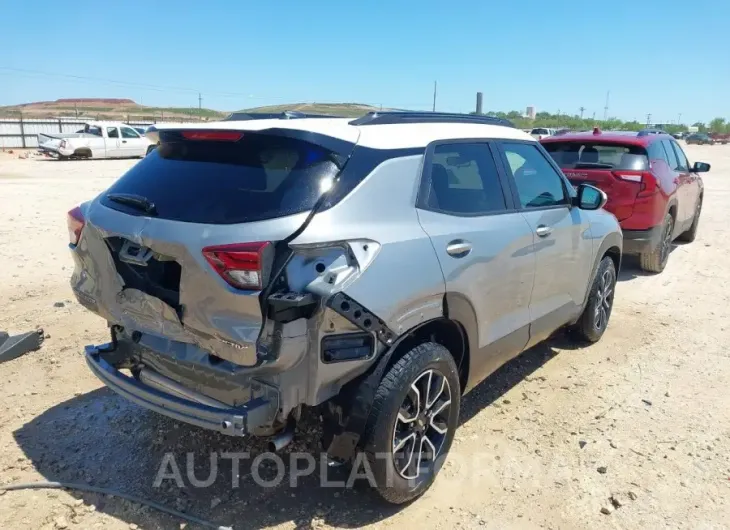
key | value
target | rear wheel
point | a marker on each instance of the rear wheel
(594, 320)
(656, 260)
(414, 416)
(691, 234)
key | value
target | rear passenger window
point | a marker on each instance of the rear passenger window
(657, 152)
(128, 132)
(538, 184)
(464, 181)
(671, 156)
(681, 158)
(112, 132)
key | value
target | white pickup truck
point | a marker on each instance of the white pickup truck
(98, 139)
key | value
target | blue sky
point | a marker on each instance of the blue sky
(662, 57)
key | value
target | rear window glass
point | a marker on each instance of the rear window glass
(587, 155)
(222, 182)
(540, 131)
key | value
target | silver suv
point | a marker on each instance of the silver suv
(377, 269)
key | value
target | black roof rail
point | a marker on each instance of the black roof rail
(647, 132)
(391, 117)
(286, 115)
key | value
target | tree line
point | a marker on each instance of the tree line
(558, 121)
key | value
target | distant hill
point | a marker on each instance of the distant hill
(129, 110)
(347, 110)
(105, 109)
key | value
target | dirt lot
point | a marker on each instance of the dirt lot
(643, 416)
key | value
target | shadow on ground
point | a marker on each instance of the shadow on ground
(103, 440)
(631, 268)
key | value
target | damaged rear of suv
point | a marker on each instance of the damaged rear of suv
(248, 269)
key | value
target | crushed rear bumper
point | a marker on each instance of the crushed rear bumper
(233, 421)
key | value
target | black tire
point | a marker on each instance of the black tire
(691, 234)
(593, 322)
(393, 401)
(656, 260)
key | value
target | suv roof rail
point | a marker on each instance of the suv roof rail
(286, 115)
(647, 132)
(391, 117)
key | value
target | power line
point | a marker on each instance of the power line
(101, 79)
(163, 88)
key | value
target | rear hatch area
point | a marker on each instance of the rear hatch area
(183, 244)
(613, 167)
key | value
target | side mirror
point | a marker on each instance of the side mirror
(701, 167)
(590, 198)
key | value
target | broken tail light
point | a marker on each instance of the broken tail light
(75, 221)
(242, 265)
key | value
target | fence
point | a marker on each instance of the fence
(23, 132)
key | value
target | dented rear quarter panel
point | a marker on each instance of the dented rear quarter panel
(401, 282)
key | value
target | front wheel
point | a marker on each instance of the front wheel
(593, 322)
(414, 417)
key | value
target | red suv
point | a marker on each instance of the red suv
(652, 189)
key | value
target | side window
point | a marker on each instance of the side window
(464, 181)
(681, 158)
(112, 132)
(128, 132)
(538, 184)
(656, 152)
(671, 156)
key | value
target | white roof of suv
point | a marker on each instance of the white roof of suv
(377, 136)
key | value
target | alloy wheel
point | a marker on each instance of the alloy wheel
(422, 424)
(604, 300)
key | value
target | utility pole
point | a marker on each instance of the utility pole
(594, 115)
(679, 119)
(581, 112)
(605, 109)
(648, 119)
(200, 101)
(434, 96)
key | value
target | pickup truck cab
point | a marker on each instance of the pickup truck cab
(98, 139)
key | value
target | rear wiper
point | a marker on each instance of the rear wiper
(135, 201)
(594, 165)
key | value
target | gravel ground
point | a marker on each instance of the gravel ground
(628, 433)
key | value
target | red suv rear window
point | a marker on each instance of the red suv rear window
(597, 155)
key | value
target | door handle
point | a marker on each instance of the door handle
(124, 141)
(543, 231)
(458, 248)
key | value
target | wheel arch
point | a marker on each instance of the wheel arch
(611, 246)
(672, 209)
(83, 151)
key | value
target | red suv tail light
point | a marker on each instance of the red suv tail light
(241, 265)
(75, 221)
(645, 179)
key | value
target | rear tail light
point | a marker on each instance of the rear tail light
(75, 221)
(645, 179)
(241, 265)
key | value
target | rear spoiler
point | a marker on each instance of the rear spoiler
(339, 146)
